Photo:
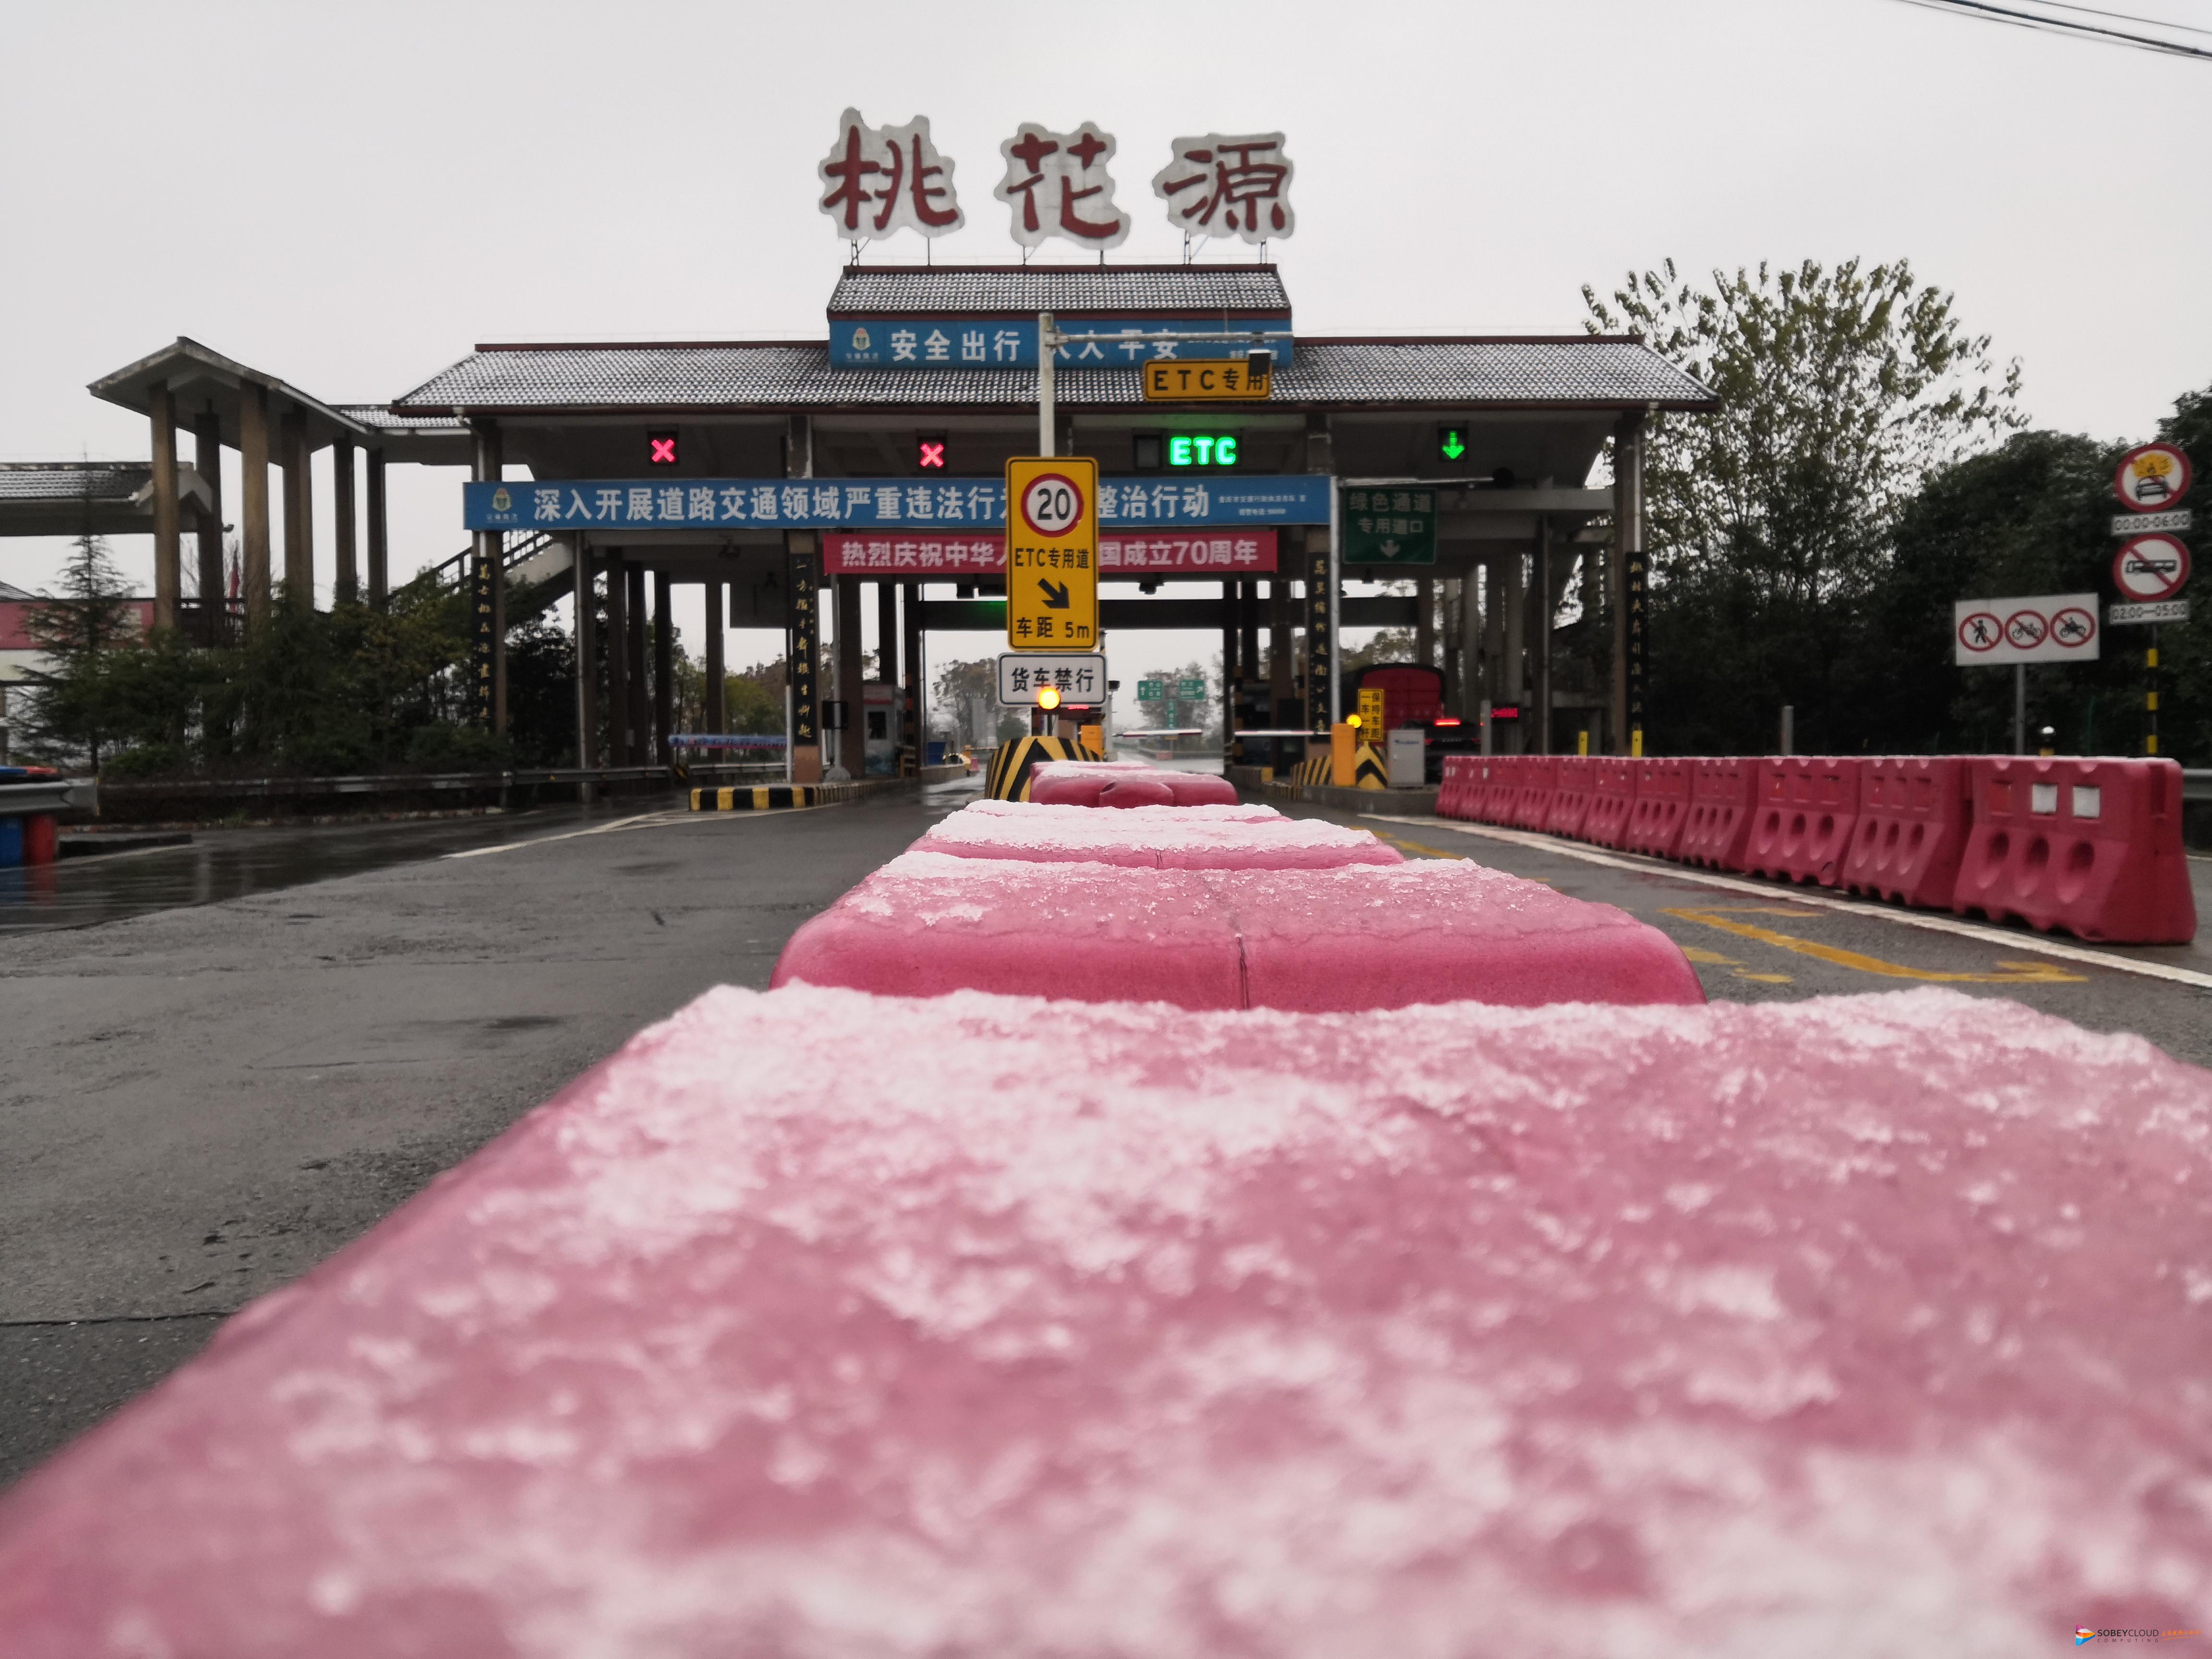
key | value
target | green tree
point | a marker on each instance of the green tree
(754, 698)
(74, 708)
(1769, 522)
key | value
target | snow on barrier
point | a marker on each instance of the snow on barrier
(1361, 937)
(1723, 799)
(1808, 807)
(812, 1324)
(1914, 815)
(2090, 846)
(1662, 807)
(1125, 783)
(1154, 837)
(1612, 802)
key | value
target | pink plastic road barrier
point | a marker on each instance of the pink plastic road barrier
(1084, 783)
(1452, 784)
(1613, 801)
(1154, 837)
(1536, 787)
(2090, 846)
(1914, 815)
(1662, 808)
(818, 1325)
(1200, 788)
(1723, 799)
(1501, 789)
(1570, 801)
(1127, 793)
(1030, 811)
(1352, 938)
(1808, 810)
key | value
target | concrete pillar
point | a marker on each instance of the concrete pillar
(716, 713)
(887, 636)
(1424, 621)
(1513, 608)
(587, 643)
(1247, 630)
(348, 590)
(1282, 671)
(1230, 674)
(1625, 571)
(640, 705)
(1493, 629)
(491, 545)
(852, 741)
(802, 642)
(618, 705)
(1546, 608)
(1323, 577)
(294, 458)
(168, 567)
(207, 458)
(664, 670)
(1471, 691)
(254, 505)
(379, 560)
(913, 733)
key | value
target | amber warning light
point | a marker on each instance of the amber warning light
(1049, 698)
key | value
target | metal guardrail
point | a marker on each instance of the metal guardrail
(50, 795)
(405, 782)
(2197, 785)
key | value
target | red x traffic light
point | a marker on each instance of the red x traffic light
(660, 448)
(929, 451)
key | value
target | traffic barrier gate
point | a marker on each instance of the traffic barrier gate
(1570, 798)
(2092, 847)
(1662, 806)
(1723, 799)
(1915, 814)
(1808, 810)
(1613, 802)
(1532, 798)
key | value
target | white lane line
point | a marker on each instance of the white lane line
(1922, 919)
(642, 820)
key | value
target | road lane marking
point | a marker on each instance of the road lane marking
(1927, 921)
(2024, 972)
(641, 820)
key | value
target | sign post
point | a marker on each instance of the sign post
(2151, 566)
(1052, 554)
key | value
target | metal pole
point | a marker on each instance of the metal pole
(1336, 609)
(1048, 343)
(2019, 709)
(2150, 694)
(1789, 728)
(1544, 613)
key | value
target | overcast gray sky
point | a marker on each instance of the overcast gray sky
(351, 197)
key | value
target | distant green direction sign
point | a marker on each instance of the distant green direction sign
(1189, 690)
(1389, 527)
(1151, 690)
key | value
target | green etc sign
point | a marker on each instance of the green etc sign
(1156, 690)
(1389, 525)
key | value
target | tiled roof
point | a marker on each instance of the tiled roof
(956, 290)
(378, 418)
(1449, 373)
(71, 481)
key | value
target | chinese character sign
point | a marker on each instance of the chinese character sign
(1223, 185)
(1057, 184)
(876, 181)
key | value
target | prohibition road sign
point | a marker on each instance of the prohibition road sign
(2025, 629)
(1052, 504)
(2150, 568)
(1980, 630)
(2151, 477)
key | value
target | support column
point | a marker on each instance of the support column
(912, 730)
(852, 689)
(490, 555)
(299, 514)
(664, 670)
(1546, 608)
(1624, 573)
(716, 711)
(802, 650)
(1470, 645)
(1282, 675)
(1513, 614)
(207, 458)
(618, 708)
(887, 639)
(1424, 621)
(1230, 673)
(640, 705)
(586, 642)
(348, 589)
(254, 505)
(380, 562)
(168, 567)
(1493, 630)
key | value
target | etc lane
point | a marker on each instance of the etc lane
(1776, 941)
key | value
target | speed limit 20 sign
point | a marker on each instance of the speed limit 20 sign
(1052, 554)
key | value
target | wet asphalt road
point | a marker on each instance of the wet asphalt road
(225, 1061)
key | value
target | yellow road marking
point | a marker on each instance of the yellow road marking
(1443, 853)
(2020, 973)
(1710, 958)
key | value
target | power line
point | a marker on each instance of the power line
(1984, 11)
(2125, 17)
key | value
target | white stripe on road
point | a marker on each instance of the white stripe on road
(1921, 918)
(647, 820)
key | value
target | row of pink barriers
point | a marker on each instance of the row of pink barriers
(2092, 847)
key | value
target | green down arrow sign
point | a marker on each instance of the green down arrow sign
(1451, 442)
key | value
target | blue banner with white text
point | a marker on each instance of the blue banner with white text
(968, 343)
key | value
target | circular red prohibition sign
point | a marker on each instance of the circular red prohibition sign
(2073, 627)
(2151, 568)
(1978, 630)
(2026, 629)
(1051, 504)
(2151, 477)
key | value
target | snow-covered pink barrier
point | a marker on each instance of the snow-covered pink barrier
(1318, 939)
(1125, 783)
(815, 1325)
(1164, 837)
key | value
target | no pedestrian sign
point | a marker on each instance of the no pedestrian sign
(1052, 554)
(2048, 628)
